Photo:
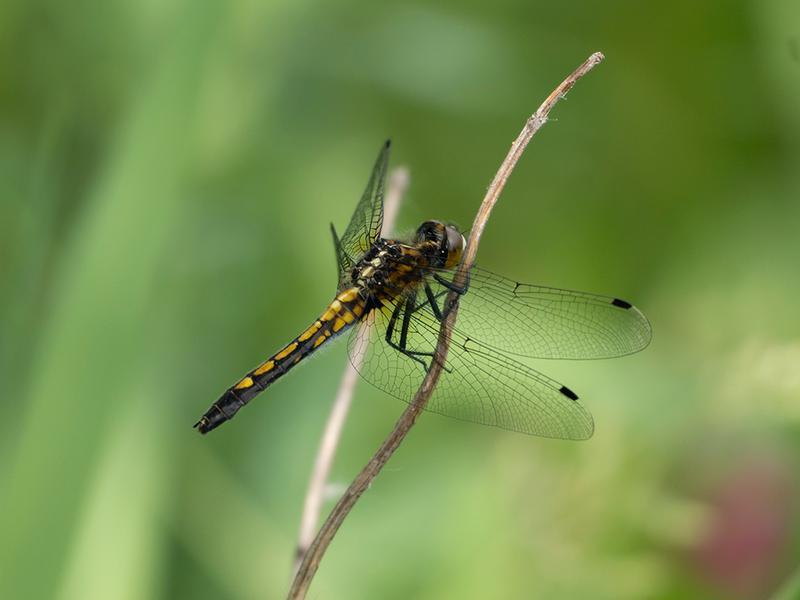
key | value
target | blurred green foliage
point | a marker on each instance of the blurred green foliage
(167, 174)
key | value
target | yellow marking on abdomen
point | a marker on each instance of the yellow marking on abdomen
(286, 351)
(332, 311)
(348, 295)
(244, 384)
(319, 340)
(309, 332)
(265, 368)
(338, 324)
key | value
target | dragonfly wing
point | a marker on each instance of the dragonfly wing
(478, 383)
(344, 263)
(542, 322)
(365, 224)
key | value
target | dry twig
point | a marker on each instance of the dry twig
(310, 563)
(315, 495)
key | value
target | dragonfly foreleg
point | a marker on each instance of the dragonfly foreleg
(458, 289)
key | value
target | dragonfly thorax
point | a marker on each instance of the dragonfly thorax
(390, 268)
(383, 264)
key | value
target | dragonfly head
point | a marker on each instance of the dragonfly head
(444, 243)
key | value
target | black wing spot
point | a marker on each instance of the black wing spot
(621, 303)
(568, 393)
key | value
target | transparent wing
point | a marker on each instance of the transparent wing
(365, 224)
(543, 322)
(392, 349)
(344, 263)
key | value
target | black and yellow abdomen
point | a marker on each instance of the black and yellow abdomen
(346, 309)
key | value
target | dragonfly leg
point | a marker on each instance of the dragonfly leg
(393, 322)
(432, 301)
(458, 289)
(402, 346)
(427, 302)
(408, 309)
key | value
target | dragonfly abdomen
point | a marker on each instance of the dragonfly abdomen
(346, 309)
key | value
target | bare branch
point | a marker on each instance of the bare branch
(315, 495)
(311, 561)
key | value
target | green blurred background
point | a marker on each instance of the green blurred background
(167, 174)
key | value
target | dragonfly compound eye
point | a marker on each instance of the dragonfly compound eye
(431, 231)
(433, 235)
(455, 246)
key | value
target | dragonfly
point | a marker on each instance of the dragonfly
(391, 299)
